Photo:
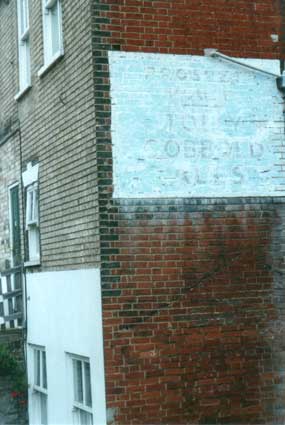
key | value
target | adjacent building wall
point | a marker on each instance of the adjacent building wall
(8, 67)
(9, 127)
(58, 123)
(192, 270)
(53, 124)
(9, 175)
(13, 405)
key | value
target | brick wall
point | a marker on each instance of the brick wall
(9, 175)
(240, 28)
(192, 288)
(193, 311)
(57, 125)
(9, 127)
(8, 65)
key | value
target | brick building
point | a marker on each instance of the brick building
(49, 226)
(151, 178)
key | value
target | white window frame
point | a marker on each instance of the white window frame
(32, 206)
(30, 183)
(50, 56)
(40, 387)
(81, 407)
(24, 53)
(11, 219)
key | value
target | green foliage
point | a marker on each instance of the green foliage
(10, 366)
(8, 363)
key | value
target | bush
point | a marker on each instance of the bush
(8, 363)
(10, 366)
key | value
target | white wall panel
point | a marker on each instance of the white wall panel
(64, 316)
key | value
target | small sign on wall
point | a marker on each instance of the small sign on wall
(191, 126)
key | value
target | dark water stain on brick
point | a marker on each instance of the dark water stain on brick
(192, 344)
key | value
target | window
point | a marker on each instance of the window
(32, 206)
(40, 394)
(52, 27)
(15, 228)
(82, 397)
(24, 45)
(32, 223)
(30, 182)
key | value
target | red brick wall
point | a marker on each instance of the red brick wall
(193, 312)
(237, 27)
(193, 290)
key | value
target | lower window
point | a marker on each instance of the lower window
(40, 394)
(41, 406)
(82, 417)
(82, 393)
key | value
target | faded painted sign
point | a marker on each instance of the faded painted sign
(195, 126)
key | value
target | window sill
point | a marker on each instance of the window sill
(37, 389)
(32, 263)
(22, 92)
(44, 69)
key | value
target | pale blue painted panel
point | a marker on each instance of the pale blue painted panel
(195, 126)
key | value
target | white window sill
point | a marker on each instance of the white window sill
(32, 263)
(37, 389)
(44, 69)
(22, 92)
(77, 405)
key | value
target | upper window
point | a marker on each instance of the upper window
(24, 45)
(52, 26)
(82, 398)
(30, 182)
(32, 206)
(32, 223)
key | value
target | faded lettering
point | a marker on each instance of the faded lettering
(194, 126)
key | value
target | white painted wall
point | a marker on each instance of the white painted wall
(64, 316)
(195, 126)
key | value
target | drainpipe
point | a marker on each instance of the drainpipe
(280, 79)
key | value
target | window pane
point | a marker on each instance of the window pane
(9, 284)
(19, 304)
(44, 366)
(10, 306)
(37, 357)
(27, 61)
(78, 384)
(15, 227)
(55, 31)
(85, 418)
(35, 205)
(34, 243)
(17, 281)
(32, 205)
(28, 207)
(43, 404)
(88, 396)
(23, 15)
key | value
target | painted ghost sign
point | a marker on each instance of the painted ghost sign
(191, 126)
